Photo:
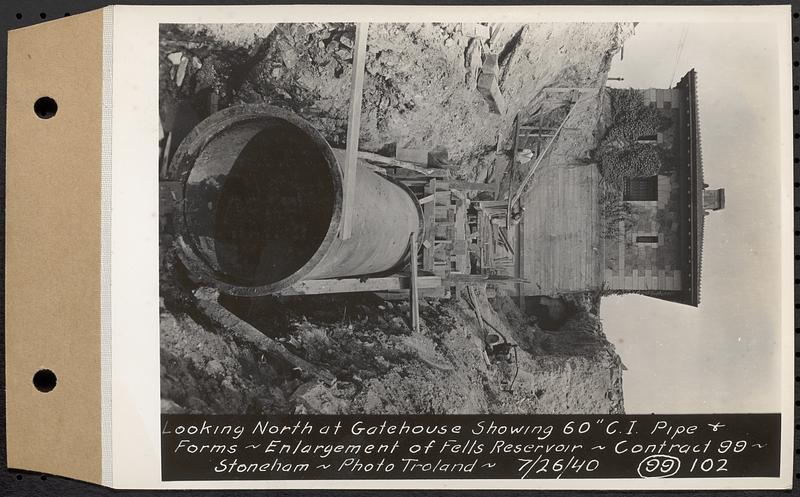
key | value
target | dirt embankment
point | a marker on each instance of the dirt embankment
(379, 365)
(419, 88)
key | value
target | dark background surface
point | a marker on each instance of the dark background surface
(19, 13)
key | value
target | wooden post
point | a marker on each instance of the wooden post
(414, 284)
(511, 170)
(520, 255)
(429, 215)
(353, 128)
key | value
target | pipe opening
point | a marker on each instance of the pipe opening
(259, 201)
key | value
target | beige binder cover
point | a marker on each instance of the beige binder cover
(53, 247)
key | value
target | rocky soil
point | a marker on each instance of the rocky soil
(419, 91)
(379, 365)
(419, 86)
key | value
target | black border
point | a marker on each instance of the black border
(22, 483)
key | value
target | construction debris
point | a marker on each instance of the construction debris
(175, 58)
(181, 74)
(475, 30)
(489, 87)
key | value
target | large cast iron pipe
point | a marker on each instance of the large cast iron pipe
(262, 206)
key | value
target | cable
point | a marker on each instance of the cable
(684, 33)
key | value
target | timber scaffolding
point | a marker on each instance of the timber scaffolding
(458, 248)
(464, 241)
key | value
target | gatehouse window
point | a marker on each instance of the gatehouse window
(641, 189)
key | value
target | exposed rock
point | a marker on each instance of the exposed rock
(175, 58)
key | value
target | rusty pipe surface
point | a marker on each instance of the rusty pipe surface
(262, 206)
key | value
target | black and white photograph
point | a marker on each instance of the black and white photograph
(395, 247)
(509, 170)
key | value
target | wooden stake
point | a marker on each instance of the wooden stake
(353, 128)
(414, 284)
(520, 256)
(511, 170)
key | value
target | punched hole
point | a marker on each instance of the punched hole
(44, 380)
(45, 107)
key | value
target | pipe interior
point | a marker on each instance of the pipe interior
(259, 201)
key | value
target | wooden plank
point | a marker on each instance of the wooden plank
(555, 89)
(402, 295)
(429, 218)
(490, 204)
(560, 231)
(414, 291)
(353, 128)
(424, 157)
(535, 127)
(429, 172)
(521, 263)
(351, 285)
(460, 238)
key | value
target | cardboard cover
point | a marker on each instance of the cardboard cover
(53, 243)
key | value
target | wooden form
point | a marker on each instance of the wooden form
(445, 246)
(524, 133)
(484, 278)
(353, 128)
(512, 169)
(352, 285)
(424, 157)
(477, 187)
(532, 170)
